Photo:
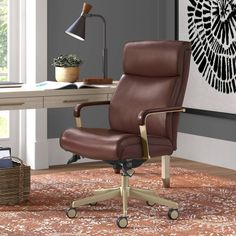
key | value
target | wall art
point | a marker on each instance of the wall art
(210, 25)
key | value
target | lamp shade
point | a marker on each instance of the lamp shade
(77, 29)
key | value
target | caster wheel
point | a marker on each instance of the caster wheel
(173, 214)
(93, 203)
(71, 213)
(150, 203)
(122, 222)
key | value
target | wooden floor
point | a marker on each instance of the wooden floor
(175, 162)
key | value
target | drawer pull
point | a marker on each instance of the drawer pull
(76, 100)
(12, 104)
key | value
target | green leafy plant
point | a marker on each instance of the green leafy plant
(69, 60)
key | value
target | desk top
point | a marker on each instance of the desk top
(27, 97)
(29, 91)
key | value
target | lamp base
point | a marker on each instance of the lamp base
(98, 80)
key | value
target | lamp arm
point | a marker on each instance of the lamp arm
(105, 54)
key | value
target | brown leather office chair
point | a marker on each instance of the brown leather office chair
(143, 117)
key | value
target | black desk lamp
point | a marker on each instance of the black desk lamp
(77, 30)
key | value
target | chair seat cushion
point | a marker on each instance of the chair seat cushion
(106, 144)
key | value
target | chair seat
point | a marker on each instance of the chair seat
(106, 144)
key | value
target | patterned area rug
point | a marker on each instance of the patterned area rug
(207, 205)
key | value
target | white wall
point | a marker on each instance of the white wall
(206, 150)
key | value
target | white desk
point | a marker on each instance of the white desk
(26, 98)
(37, 149)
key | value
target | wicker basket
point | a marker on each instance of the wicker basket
(14, 183)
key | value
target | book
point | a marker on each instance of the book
(10, 84)
(5, 158)
(51, 85)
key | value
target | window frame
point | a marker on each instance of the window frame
(15, 67)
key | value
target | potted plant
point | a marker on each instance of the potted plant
(67, 68)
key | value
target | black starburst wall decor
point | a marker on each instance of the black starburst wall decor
(212, 32)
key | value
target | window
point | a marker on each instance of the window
(3, 39)
(4, 125)
(4, 115)
(9, 64)
(27, 45)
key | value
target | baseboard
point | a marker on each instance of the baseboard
(57, 156)
(206, 150)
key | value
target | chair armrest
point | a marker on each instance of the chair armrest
(142, 124)
(78, 107)
(145, 113)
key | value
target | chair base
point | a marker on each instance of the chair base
(125, 192)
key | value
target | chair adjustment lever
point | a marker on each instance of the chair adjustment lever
(74, 158)
(127, 172)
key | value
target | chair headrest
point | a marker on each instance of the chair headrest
(154, 58)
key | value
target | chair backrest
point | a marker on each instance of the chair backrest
(155, 76)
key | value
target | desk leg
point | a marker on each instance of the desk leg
(37, 143)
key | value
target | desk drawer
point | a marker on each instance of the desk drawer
(109, 96)
(21, 103)
(70, 101)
